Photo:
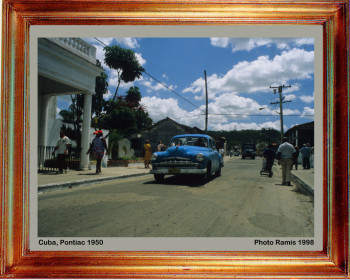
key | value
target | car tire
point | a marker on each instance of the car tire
(159, 177)
(218, 173)
(205, 177)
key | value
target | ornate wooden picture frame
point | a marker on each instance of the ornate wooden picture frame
(17, 260)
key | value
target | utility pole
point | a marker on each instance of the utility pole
(206, 101)
(280, 89)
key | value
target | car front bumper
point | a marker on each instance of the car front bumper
(177, 171)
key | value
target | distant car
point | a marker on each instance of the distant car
(248, 150)
(188, 154)
(236, 154)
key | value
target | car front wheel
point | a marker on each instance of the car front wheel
(218, 173)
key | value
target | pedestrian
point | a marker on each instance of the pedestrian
(161, 147)
(147, 153)
(62, 146)
(295, 157)
(285, 159)
(98, 146)
(270, 154)
(305, 151)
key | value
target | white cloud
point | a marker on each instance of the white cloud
(128, 42)
(256, 76)
(240, 44)
(243, 126)
(159, 109)
(153, 86)
(290, 97)
(140, 59)
(307, 98)
(308, 113)
(234, 107)
(109, 95)
(248, 44)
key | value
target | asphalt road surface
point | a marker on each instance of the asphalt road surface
(239, 203)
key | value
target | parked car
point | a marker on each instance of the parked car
(188, 154)
(248, 150)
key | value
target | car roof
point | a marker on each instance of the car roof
(193, 135)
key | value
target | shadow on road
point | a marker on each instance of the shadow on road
(179, 180)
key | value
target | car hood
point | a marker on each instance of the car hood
(181, 151)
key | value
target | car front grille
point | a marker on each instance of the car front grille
(177, 162)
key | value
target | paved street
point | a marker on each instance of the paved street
(240, 203)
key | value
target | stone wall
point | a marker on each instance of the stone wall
(124, 149)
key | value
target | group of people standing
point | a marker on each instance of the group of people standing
(287, 156)
(147, 151)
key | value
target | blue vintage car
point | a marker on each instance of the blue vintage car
(188, 154)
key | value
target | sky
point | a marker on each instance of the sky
(240, 73)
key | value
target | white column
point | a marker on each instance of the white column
(42, 121)
(85, 132)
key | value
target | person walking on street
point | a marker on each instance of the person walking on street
(147, 153)
(270, 154)
(295, 157)
(98, 146)
(285, 159)
(62, 146)
(305, 151)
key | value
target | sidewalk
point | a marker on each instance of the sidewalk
(305, 179)
(51, 180)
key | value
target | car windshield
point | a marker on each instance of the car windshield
(249, 147)
(189, 141)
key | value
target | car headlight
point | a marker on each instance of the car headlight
(154, 157)
(199, 157)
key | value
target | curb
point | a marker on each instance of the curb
(68, 185)
(305, 188)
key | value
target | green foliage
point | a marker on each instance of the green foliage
(122, 113)
(133, 97)
(237, 138)
(101, 88)
(114, 137)
(142, 119)
(118, 116)
(125, 62)
(74, 116)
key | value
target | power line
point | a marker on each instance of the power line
(172, 91)
(160, 82)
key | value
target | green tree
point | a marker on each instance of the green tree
(133, 97)
(74, 116)
(122, 114)
(125, 62)
(101, 88)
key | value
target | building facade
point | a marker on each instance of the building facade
(163, 131)
(66, 66)
(301, 134)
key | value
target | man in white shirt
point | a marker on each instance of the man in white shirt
(62, 147)
(285, 159)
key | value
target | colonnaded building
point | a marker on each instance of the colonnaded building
(66, 66)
